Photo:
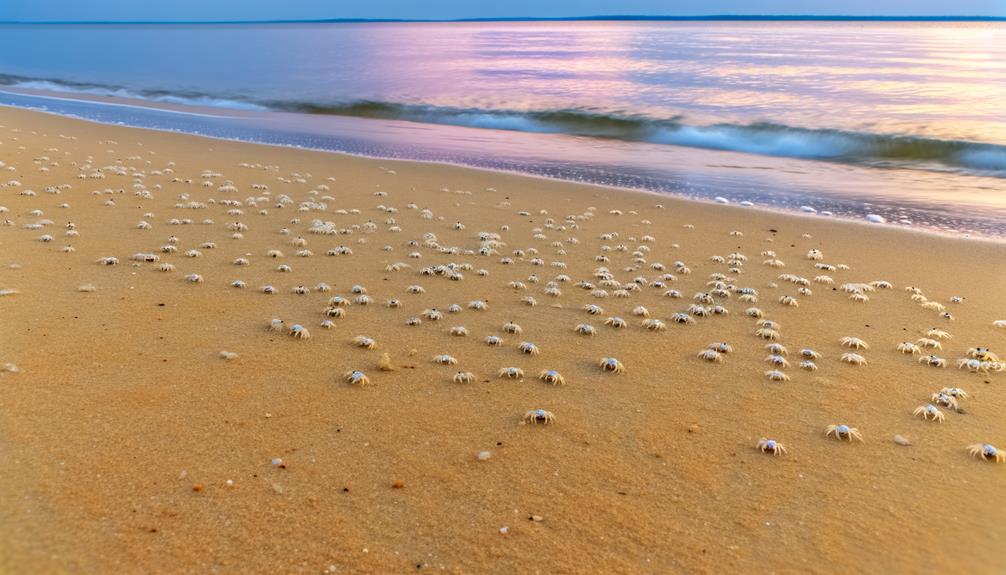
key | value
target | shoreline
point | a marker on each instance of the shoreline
(158, 421)
(178, 109)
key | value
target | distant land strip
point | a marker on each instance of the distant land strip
(599, 18)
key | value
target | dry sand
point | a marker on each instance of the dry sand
(130, 446)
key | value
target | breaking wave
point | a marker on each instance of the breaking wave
(770, 139)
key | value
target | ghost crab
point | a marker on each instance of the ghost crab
(842, 431)
(928, 412)
(611, 364)
(772, 446)
(536, 416)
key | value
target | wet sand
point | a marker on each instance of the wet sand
(130, 445)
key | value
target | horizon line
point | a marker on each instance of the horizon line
(594, 18)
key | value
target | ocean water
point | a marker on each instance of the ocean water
(904, 120)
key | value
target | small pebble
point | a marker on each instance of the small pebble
(228, 355)
(901, 440)
(277, 461)
(504, 530)
(398, 484)
(484, 455)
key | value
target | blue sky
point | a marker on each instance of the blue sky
(36, 10)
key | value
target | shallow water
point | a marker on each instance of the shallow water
(903, 120)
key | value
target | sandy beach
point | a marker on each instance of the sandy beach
(131, 444)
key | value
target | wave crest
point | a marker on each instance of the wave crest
(885, 150)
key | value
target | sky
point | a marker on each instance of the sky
(66, 10)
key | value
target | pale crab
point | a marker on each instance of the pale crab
(808, 365)
(494, 340)
(776, 375)
(365, 342)
(640, 311)
(930, 343)
(528, 348)
(615, 322)
(777, 360)
(854, 343)
(854, 359)
(654, 325)
(909, 348)
(933, 361)
(511, 327)
(772, 446)
(928, 412)
(842, 431)
(300, 332)
(464, 377)
(945, 400)
(808, 353)
(710, 355)
(357, 377)
(682, 318)
(767, 333)
(936, 333)
(982, 354)
(611, 364)
(536, 416)
(703, 298)
(699, 311)
(954, 392)
(721, 347)
(511, 373)
(445, 359)
(776, 349)
(552, 376)
(585, 329)
(987, 452)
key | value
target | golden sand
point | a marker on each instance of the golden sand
(130, 444)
